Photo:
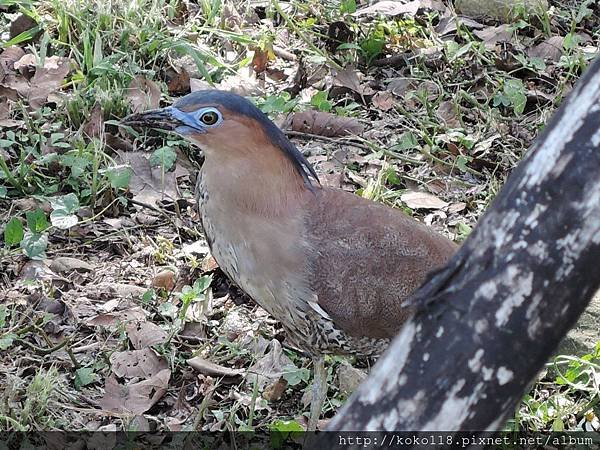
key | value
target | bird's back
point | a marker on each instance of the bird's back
(366, 259)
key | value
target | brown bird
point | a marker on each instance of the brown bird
(334, 268)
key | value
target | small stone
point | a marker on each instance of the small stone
(235, 324)
(348, 378)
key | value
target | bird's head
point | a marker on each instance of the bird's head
(225, 125)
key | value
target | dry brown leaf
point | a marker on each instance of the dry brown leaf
(179, 83)
(135, 398)
(274, 391)
(422, 200)
(143, 94)
(270, 367)
(447, 112)
(384, 100)
(165, 279)
(47, 79)
(137, 363)
(325, 124)
(147, 184)
(145, 334)
(115, 319)
(214, 370)
(8, 58)
(21, 24)
(350, 78)
(68, 264)
(390, 8)
(94, 126)
(550, 50)
(260, 60)
(243, 83)
(492, 35)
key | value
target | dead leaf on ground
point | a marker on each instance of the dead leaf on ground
(492, 35)
(390, 8)
(214, 370)
(67, 264)
(199, 85)
(447, 112)
(143, 94)
(325, 124)
(550, 50)
(165, 279)
(350, 78)
(137, 363)
(147, 183)
(47, 79)
(145, 334)
(243, 83)
(135, 398)
(275, 391)
(404, 86)
(21, 24)
(8, 58)
(179, 82)
(94, 126)
(422, 200)
(384, 100)
(114, 319)
(261, 59)
(270, 367)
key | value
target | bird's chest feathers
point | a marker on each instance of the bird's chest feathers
(263, 255)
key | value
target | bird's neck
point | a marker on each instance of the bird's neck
(261, 182)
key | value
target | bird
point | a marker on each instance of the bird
(335, 269)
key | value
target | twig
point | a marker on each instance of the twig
(43, 351)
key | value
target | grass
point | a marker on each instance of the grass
(464, 115)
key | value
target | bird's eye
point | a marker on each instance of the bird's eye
(209, 117)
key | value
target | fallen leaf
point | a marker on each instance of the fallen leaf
(179, 83)
(143, 94)
(47, 79)
(137, 363)
(148, 184)
(275, 391)
(214, 370)
(145, 334)
(272, 366)
(8, 58)
(115, 319)
(390, 8)
(384, 100)
(447, 112)
(21, 24)
(418, 200)
(165, 279)
(94, 125)
(325, 124)
(135, 398)
(492, 35)
(68, 264)
(550, 50)
(350, 78)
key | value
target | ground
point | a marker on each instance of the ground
(113, 315)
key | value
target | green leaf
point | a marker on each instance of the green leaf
(69, 203)
(63, 216)
(34, 245)
(119, 177)
(294, 375)
(13, 233)
(407, 141)
(36, 220)
(61, 219)
(164, 157)
(6, 340)
(3, 314)
(515, 92)
(3, 192)
(348, 6)
(84, 376)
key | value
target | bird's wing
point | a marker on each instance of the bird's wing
(367, 259)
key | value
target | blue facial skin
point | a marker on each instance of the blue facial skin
(190, 122)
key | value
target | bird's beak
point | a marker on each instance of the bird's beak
(163, 119)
